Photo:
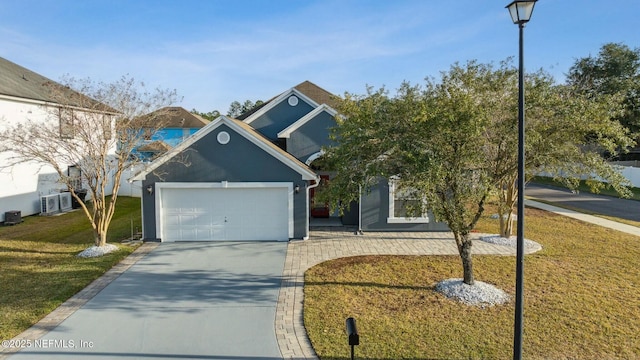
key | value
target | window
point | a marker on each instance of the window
(403, 203)
(66, 117)
(75, 177)
(106, 127)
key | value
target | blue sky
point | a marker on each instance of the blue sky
(216, 51)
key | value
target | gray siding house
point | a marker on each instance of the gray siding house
(253, 178)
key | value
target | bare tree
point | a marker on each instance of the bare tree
(92, 128)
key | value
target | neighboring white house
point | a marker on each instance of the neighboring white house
(25, 95)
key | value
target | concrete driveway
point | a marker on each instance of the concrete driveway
(181, 301)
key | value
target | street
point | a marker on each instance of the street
(597, 204)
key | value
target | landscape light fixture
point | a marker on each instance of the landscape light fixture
(520, 12)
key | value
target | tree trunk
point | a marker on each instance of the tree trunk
(506, 224)
(101, 225)
(464, 249)
(467, 262)
(101, 239)
(508, 197)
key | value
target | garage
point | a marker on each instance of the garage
(224, 211)
(226, 182)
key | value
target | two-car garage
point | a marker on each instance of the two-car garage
(224, 211)
(226, 182)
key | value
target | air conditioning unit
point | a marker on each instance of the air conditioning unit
(12, 217)
(49, 204)
(65, 201)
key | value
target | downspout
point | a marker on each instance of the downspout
(308, 212)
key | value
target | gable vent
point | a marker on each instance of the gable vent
(223, 137)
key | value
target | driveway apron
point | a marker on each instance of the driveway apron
(182, 301)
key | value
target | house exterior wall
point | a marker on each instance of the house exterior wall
(22, 185)
(279, 117)
(170, 136)
(310, 137)
(375, 211)
(238, 161)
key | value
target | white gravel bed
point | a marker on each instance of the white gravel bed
(511, 241)
(479, 294)
(96, 251)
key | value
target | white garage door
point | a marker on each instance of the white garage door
(236, 213)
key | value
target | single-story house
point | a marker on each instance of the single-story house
(253, 178)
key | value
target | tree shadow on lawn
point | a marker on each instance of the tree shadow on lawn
(11, 249)
(369, 284)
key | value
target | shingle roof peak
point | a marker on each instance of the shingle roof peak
(19, 82)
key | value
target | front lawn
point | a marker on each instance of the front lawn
(38, 266)
(582, 300)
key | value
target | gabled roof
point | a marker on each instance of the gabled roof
(242, 129)
(310, 92)
(303, 120)
(19, 82)
(318, 94)
(280, 98)
(173, 117)
(155, 146)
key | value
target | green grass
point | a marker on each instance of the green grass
(39, 269)
(582, 300)
(583, 187)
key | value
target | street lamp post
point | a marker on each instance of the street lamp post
(520, 11)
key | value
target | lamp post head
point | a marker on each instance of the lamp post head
(521, 10)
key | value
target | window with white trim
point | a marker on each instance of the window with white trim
(403, 204)
(66, 118)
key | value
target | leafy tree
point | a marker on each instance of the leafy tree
(429, 139)
(614, 71)
(566, 134)
(93, 128)
(454, 142)
(236, 108)
(211, 115)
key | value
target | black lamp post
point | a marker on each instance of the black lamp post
(520, 11)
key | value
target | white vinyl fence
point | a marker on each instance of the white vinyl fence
(630, 172)
(133, 189)
(633, 174)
